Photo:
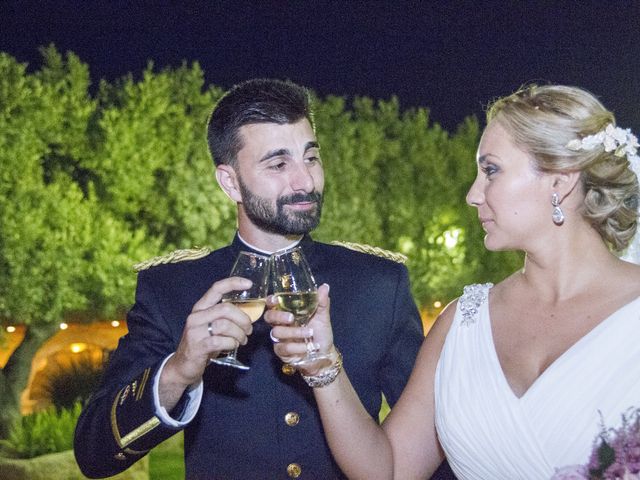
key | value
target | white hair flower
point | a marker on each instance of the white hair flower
(624, 144)
(613, 139)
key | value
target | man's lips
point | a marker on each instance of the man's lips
(301, 205)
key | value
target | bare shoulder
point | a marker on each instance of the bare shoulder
(445, 319)
(623, 281)
(434, 341)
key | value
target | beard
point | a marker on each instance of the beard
(274, 218)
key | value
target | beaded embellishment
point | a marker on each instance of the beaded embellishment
(472, 297)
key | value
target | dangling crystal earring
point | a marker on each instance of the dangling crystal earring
(558, 214)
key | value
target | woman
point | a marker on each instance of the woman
(514, 380)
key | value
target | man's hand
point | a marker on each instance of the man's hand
(210, 329)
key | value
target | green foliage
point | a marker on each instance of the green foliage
(92, 183)
(48, 431)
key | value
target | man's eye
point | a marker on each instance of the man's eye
(312, 159)
(277, 166)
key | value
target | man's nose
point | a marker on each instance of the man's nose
(301, 179)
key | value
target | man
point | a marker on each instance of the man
(260, 423)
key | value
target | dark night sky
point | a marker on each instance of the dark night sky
(449, 56)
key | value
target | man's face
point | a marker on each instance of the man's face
(280, 177)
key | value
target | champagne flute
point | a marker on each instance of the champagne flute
(251, 301)
(295, 290)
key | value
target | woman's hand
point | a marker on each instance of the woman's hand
(288, 339)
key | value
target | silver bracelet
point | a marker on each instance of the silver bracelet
(325, 378)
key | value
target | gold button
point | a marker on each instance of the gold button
(120, 456)
(288, 369)
(292, 419)
(294, 470)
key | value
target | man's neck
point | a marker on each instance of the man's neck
(268, 243)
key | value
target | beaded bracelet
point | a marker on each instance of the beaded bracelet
(325, 378)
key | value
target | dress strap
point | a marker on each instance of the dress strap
(472, 298)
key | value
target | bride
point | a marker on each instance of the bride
(515, 379)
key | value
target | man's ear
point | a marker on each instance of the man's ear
(564, 183)
(228, 181)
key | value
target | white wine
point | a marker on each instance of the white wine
(301, 304)
(253, 307)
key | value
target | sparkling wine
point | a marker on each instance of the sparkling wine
(253, 307)
(301, 304)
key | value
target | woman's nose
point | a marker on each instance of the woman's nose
(475, 195)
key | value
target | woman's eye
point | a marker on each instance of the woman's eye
(489, 170)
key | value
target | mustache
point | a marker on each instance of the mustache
(300, 197)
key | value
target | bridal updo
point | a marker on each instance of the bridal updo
(543, 120)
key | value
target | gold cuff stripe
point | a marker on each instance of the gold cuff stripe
(173, 257)
(377, 251)
(143, 383)
(142, 430)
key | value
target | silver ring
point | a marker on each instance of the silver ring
(273, 339)
(210, 328)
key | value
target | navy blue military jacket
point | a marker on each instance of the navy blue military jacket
(261, 423)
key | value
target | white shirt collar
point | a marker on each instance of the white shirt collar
(265, 251)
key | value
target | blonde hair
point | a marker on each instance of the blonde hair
(542, 120)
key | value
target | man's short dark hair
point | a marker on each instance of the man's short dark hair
(253, 101)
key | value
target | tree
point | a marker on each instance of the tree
(91, 183)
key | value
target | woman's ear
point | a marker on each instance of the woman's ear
(228, 181)
(565, 183)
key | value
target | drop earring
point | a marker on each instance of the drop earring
(558, 214)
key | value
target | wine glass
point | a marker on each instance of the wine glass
(252, 301)
(295, 290)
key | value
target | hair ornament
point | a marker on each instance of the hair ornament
(613, 139)
(623, 143)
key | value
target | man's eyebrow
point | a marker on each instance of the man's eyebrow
(283, 152)
(275, 153)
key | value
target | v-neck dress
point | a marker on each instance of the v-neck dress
(487, 432)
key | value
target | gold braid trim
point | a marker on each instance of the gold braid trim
(138, 432)
(173, 257)
(379, 252)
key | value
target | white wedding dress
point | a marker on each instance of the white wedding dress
(487, 432)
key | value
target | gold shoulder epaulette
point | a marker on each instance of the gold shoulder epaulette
(173, 257)
(379, 252)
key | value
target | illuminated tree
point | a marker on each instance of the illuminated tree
(93, 182)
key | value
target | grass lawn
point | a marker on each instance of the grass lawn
(166, 461)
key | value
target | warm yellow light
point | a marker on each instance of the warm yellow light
(78, 347)
(11, 329)
(115, 323)
(63, 326)
(437, 304)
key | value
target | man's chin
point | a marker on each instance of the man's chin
(301, 224)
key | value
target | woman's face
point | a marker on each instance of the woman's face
(512, 198)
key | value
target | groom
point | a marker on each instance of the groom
(261, 423)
